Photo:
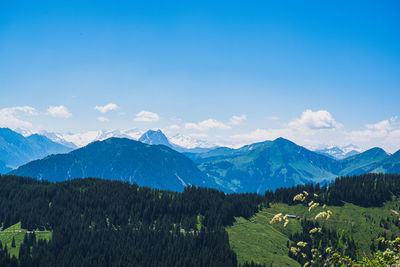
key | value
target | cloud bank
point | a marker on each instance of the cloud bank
(11, 117)
(207, 125)
(59, 112)
(146, 116)
(315, 120)
(106, 108)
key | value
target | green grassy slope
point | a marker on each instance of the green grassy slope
(18, 233)
(257, 240)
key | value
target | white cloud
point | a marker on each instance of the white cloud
(383, 125)
(310, 123)
(198, 135)
(106, 108)
(392, 141)
(174, 127)
(374, 131)
(236, 120)
(103, 119)
(272, 118)
(365, 135)
(315, 128)
(59, 112)
(315, 120)
(206, 125)
(11, 117)
(146, 116)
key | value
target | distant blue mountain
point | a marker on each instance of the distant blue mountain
(157, 166)
(252, 168)
(364, 162)
(4, 168)
(15, 149)
(266, 165)
(282, 163)
(336, 152)
(377, 161)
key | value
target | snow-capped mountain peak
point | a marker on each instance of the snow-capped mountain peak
(74, 140)
(152, 137)
(338, 152)
(190, 142)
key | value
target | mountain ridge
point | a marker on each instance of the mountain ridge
(157, 166)
(252, 168)
(16, 150)
(157, 137)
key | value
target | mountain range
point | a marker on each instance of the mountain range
(75, 140)
(15, 149)
(179, 142)
(154, 161)
(157, 166)
(152, 137)
(282, 163)
(339, 152)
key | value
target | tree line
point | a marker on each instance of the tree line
(110, 223)
(366, 190)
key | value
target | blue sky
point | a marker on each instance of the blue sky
(316, 72)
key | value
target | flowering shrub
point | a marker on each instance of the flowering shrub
(334, 256)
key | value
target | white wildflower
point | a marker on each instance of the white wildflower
(395, 213)
(286, 223)
(294, 250)
(313, 206)
(329, 214)
(276, 218)
(321, 215)
(301, 244)
(299, 197)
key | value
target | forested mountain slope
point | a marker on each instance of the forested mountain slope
(266, 165)
(282, 163)
(122, 159)
(252, 168)
(111, 223)
(98, 222)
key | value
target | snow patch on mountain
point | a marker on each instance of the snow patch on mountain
(338, 152)
(181, 180)
(74, 140)
(155, 137)
(190, 142)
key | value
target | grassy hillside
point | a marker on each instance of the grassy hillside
(18, 233)
(256, 240)
(262, 242)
